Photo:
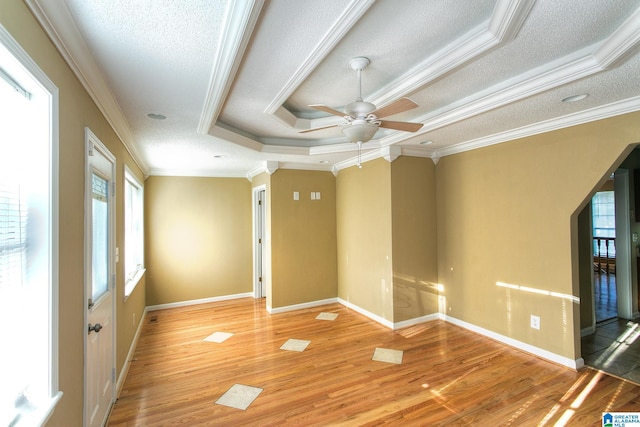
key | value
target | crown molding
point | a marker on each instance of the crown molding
(620, 43)
(352, 14)
(614, 109)
(200, 173)
(390, 153)
(240, 20)
(58, 23)
(268, 166)
(505, 23)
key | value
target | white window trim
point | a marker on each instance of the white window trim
(130, 285)
(44, 412)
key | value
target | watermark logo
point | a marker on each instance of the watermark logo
(621, 419)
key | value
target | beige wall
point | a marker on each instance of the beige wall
(76, 110)
(508, 213)
(413, 212)
(498, 209)
(303, 237)
(365, 273)
(197, 238)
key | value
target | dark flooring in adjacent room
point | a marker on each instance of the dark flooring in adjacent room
(614, 347)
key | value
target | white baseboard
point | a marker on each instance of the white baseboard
(370, 315)
(417, 320)
(132, 349)
(587, 331)
(301, 306)
(536, 351)
(198, 301)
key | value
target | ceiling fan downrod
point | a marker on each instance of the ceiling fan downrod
(358, 64)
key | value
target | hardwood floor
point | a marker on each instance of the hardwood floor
(606, 299)
(448, 376)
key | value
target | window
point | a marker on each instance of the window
(28, 240)
(603, 209)
(133, 231)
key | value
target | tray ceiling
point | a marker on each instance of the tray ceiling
(234, 79)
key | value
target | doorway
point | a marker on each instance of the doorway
(609, 337)
(259, 242)
(99, 281)
(603, 214)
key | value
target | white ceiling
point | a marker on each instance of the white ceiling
(235, 78)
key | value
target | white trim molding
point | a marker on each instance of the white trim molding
(198, 301)
(370, 315)
(301, 306)
(528, 348)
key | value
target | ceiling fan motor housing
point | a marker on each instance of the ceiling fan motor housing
(359, 109)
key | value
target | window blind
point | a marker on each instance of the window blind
(13, 223)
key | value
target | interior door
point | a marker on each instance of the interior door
(262, 252)
(99, 282)
(259, 212)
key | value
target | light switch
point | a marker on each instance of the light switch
(317, 195)
(313, 195)
(296, 195)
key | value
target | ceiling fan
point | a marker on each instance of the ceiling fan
(363, 118)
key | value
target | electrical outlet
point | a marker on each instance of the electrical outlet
(535, 322)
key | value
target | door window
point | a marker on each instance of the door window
(100, 222)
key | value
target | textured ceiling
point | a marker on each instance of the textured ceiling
(234, 79)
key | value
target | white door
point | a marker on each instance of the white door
(99, 281)
(259, 243)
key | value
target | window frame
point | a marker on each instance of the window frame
(23, 67)
(597, 211)
(131, 281)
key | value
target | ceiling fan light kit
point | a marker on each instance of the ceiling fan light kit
(359, 132)
(362, 117)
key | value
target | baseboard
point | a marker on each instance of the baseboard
(301, 306)
(198, 301)
(587, 331)
(132, 349)
(536, 351)
(370, 315)
(417, 321)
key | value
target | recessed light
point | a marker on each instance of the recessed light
(575, 98)
(155, 116)
(218, 156)
(324, 162)
(426, 142)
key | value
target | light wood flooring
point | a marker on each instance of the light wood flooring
(448, 376)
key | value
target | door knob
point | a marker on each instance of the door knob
(95, 328)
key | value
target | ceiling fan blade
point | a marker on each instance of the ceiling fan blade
(404, 126)
(329, 110)
(399, 106)
(315, 129)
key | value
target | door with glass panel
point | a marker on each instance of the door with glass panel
(99, 281)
